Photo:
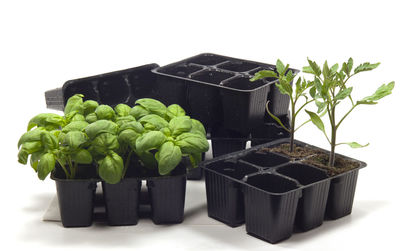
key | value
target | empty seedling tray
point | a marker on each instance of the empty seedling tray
(271, 193)
(219, 91)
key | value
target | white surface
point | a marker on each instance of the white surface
(45, 43)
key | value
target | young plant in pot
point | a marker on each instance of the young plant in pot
(58, 145)
(331, 88)
(169, 136)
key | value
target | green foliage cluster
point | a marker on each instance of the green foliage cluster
(90, 133)
(328, 88)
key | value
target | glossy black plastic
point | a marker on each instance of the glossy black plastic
(277, 194)
(75, 198)
(122, 201)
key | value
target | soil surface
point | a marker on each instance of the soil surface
(314, 157)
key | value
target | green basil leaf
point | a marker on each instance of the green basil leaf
(91, 118)
(111, 168)
(192, 143)
(122, 110)
(150, 140)
(49, 141)
(105, 112)
(89, 106)
(169, 157)
(75, 126)
(179, 125)
(154, 120)
(99, 127)
(197, 127)
(175, 110)
(138, 112)
(104, 143)
(78, 117)
(23, 156)
(148, 159)
(82, 156)
(46, 165)
(133, 125)
(125, 119)
(153, 106)
(74, 139)
(49, 121)
(128, 137)
(74, 104)
(33, 135)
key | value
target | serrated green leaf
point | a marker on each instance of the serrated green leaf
(308, 69)
(355, 145)
(343, 93)
(280, 67)
(333, 69)
(313, 91)
(325, 70)
(264, 74)
(321, 106)
(315, 68)
(365, 67)
(381, 92)
(316, 120)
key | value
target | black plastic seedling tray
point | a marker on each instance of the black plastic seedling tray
(124, 86)
(218, 91)
(272, 193)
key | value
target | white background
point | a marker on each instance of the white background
(45, 43)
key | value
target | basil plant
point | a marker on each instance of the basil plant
(51, 139)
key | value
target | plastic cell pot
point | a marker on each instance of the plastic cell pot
(124, 86)
(270, 206)
(226, 141)
(265, 159)
(312, 205)
(221, 93)
(122, 201)
(75, 198)
(341, 195)
(193, 173)
(167, 196)
(269, 131)
(284, 193)
(224, 195)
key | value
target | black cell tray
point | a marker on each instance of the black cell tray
(218, 91)
(271, 193)
(213, 89)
